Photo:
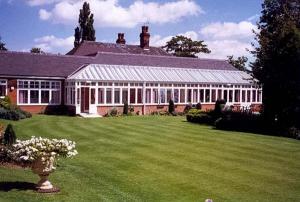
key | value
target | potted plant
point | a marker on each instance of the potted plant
(41, 154)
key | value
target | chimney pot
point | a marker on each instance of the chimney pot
(144, 38)
(120, 39)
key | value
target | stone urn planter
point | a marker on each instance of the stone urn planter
(44, 169)
(41, 154)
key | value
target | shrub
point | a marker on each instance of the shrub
(219, 106)
(238, 121)
(187, 108)
(9, 135)
(13, 114)
(131, 108)
(125, 108)
(1, 132)
(5, 102)
(198, 116)
(293, 132)
(198, 106)
(171, 106)
(113, 112)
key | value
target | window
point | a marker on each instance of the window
(201, 95)
(248, 96)
(225, 95)
(169, 95)
(3, 84)
(100, 95)
(23, 96)
(117, 96)
(155, 96)
(259, 96)
(182, 95)
(162, 95)
(195, 95)
(132, 96)
(207, 95)
(189, 95)
(108, 96)
(43, 92)
(148, 95)
(45, 96)
(124, 95)
(230, 96)
(213, 95)
(139, 95)
(55, 97)
(243, 96)
(219, 94)
(237, 96)
(34, 96)
(93, 98)
(176, 95)
(253, 95)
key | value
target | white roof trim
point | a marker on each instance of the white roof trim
(102, 72)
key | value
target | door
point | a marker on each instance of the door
(85, 99)
(93, 107)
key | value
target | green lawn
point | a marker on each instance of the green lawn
(155, 158)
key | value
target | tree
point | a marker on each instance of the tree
(277, 64)
(2, 46)
(85, 31)
(239, 63)
(36, 50)
(9, 135)
(182, 46)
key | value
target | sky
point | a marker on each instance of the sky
(226, 26)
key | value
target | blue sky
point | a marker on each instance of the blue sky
(226, 26)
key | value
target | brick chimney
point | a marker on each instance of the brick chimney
(144, 38)
(121, 39)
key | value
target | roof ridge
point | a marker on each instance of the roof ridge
(159, 56)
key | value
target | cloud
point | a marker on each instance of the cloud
(54, 44)
(159, 41)
(44, 15)
(229, 30)
(110, 13)
(223, 39)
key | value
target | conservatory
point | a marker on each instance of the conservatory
(97, 88)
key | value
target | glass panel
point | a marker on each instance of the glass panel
(124, 95)
(259, 96)
(176, 95)
(253, 95)
(182, 95)
(189, 95)
(100, 95)
(219, 94)
(248, 96)
(213, 95)
(201, 95)
(230, 95)
(23, 96)
(148, 95)
(55, 97)
(207, 95)
(73, 96)
(155, 96)
(34, 96)
(117, 95)
(45, 96)
(243, 96)
(108, 96)
(132, 96)
(78, 96)
(140, 96)
(237, 96)
(162, 95)
(225, 95)
(93, 92)
(169, 94)
(2, 90)
(195, 95)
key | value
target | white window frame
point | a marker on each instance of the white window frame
(39, 89)
(1, 83)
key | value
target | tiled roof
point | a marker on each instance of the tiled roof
(47, 65)
(90, 48)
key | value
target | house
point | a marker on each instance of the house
(96, 77)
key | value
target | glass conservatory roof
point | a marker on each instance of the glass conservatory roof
(100, 72)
